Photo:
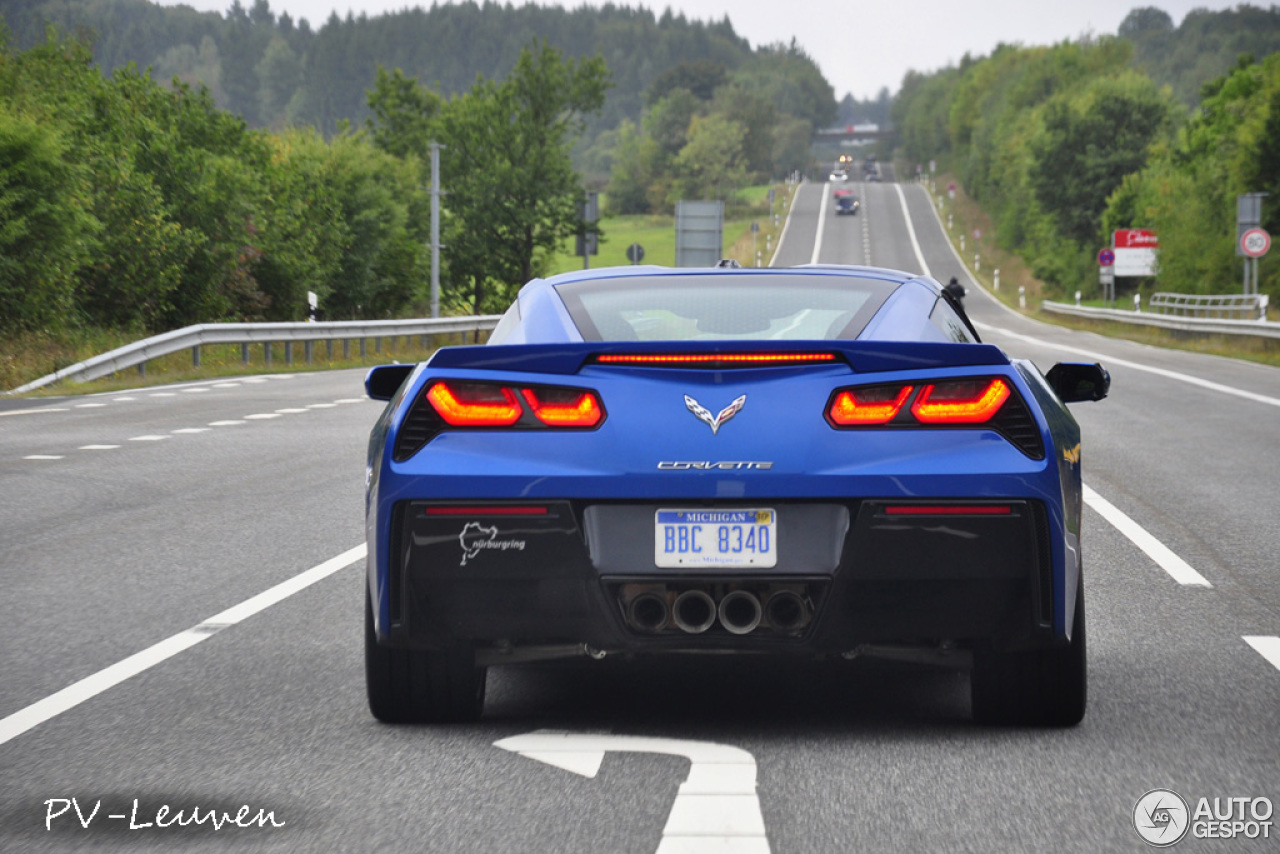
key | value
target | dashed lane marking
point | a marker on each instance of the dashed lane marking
(1267, 646)
(187, 430)
(148, 438)
(1154, 549)
(262, 416)
(43, 457)
(98, 447)
(227, 423)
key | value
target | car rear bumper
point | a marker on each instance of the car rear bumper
(553, 574)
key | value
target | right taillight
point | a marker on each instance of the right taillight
(967, 402)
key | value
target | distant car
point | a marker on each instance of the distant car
(846, 202)
(818, 461)
(838, 177)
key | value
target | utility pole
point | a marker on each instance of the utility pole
(435, 228)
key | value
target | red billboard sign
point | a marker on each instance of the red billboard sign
(1135, 238)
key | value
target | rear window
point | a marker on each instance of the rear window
(720, 307)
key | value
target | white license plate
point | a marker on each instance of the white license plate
(745, 537)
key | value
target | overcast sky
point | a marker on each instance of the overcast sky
(860, 46)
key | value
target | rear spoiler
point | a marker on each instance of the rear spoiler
(861, 356)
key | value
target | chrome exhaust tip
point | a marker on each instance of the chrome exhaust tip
(740, 612)
(648, 612)
(694, 612)
(786, 610)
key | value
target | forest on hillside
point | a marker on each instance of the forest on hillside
(1061, 145)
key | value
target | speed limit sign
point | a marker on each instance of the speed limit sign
(1255, 242)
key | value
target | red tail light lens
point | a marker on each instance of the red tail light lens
(564, 407)
(960, 401)
(475, 404)
(872, 405)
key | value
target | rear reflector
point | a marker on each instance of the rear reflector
(960, 401)
(714, 359)
(475, 404)
(948, 510)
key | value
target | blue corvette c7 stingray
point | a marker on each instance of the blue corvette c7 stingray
(813, 461)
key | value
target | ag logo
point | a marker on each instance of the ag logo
(1161, 817)
(714, 422)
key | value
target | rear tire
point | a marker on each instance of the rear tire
(1043, 687)
(420, 686)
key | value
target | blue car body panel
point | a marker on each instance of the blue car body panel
(648, 422)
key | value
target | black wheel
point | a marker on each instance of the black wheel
(1045, 687)
(420, 686)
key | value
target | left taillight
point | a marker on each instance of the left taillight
(456, 404)
(967, 402)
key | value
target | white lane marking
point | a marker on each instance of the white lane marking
(199, 390)
(163, 394)
(98, 447)
(1108, 361)
(785, 225)
(34, 411)
(122, 399)
(321, 405)
(716, 808)
(351, 400)
(185, 430)
(1267, 646)
(228, 423)
(911, 231)
(256, 380)
(42, 457)
(75, 694)
(290, 411)
(148, 438)
(261, 416)
(89, 405)
(226, 385)
(822, 219)
(1154, 549)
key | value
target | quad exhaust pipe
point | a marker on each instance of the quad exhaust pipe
(648, 612)
(651, 609)
(740, 612)
(694, 611)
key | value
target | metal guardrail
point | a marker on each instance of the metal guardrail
(1203, 325)
(244, 334)
(1239, 306)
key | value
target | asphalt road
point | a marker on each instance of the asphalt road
(123, 531)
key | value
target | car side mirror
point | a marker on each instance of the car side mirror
(382, 382)
(1077, 381)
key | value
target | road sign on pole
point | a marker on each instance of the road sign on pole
(1255, 243)
(1106, 258)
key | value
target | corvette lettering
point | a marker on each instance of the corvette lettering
(706, 465)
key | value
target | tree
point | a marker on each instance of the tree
(711, 165)
(513, 193)
(1091, 141)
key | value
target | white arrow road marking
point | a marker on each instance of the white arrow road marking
(716, 808)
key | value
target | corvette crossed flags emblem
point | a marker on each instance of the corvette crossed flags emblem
(715, 422)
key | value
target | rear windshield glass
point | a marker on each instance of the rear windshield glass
(706, 308)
